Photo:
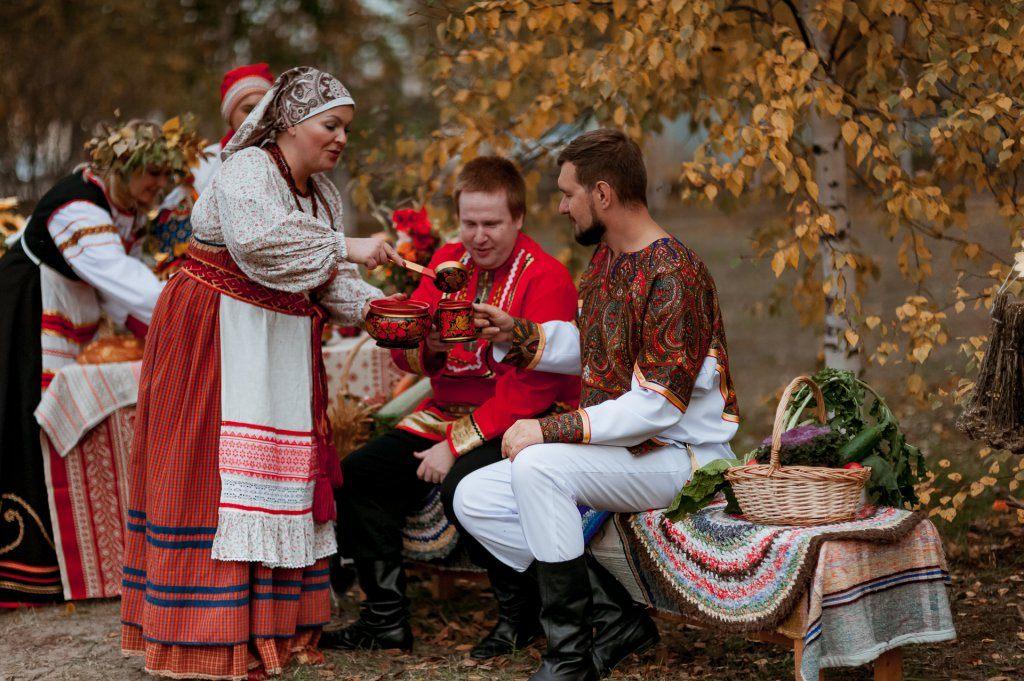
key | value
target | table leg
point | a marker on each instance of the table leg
(889, 665)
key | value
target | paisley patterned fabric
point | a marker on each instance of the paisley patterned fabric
(571, 426)
(297, 94)
(654, 313)
(527, 344)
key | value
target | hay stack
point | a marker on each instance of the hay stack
(994, 413)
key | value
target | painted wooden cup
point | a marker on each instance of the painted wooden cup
(450, 276)
(400, 324)
(454, 321)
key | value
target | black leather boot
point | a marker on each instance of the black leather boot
(565, 615)
(518, 612)
(342, 576)
(384, 614)
(622, 627)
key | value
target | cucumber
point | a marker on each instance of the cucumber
(862, 444)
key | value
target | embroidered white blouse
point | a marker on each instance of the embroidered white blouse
(249, 208)
(103, 249)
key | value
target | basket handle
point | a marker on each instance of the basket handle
(346, 369)
(780, 414)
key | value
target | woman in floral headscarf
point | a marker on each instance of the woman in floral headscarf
(231, 509)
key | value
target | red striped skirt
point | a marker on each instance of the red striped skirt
(189, 615)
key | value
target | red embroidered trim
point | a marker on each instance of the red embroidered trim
(59, 325)
(241, 507)
(242, 288)
(257, 426)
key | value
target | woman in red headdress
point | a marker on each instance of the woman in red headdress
(240, 92)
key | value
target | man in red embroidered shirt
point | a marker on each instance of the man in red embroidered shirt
(658, 402)
(459, 429)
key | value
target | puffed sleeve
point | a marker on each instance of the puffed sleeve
(346, 294)
(274, 243)
(91, 244)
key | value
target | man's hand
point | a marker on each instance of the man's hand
(393, 296)
(435, 462)
(522, 434)
(434, 344)
(494, 323)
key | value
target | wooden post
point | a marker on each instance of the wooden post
(889, 665)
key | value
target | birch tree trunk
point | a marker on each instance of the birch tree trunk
(899, 34)
(833, 195)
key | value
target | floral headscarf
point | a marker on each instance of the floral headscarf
(297, 94)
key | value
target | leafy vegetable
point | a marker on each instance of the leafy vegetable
(807, 445)
(706, 482)
(896, 467)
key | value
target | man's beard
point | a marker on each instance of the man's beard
(592, 235)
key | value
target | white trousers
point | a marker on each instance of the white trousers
(527, 509)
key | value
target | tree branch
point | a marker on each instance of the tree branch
(835, 42)
(800, 25)
(764, 16)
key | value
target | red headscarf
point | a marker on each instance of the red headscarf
(238, 83)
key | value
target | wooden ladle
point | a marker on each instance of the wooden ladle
(449, 276)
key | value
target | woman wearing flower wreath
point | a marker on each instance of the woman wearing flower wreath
(76, 259)
(231, 511)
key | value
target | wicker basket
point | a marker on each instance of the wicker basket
(797, 495)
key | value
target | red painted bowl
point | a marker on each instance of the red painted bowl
(398, 324)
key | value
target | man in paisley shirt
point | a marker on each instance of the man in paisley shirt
(458, 429)
(657, 402)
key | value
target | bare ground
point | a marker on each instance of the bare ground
(81, 642)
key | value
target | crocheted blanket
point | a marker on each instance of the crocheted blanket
(732, 574)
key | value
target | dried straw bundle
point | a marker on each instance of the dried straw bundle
(994, 413)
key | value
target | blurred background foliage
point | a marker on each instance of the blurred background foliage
(735, 103)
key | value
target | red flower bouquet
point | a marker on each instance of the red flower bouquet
(415, 240)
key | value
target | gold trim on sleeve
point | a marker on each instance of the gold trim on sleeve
(465, 436)
(542, 341)
(585, 417)
(527, 340)
(660, 389)
(80, 234)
